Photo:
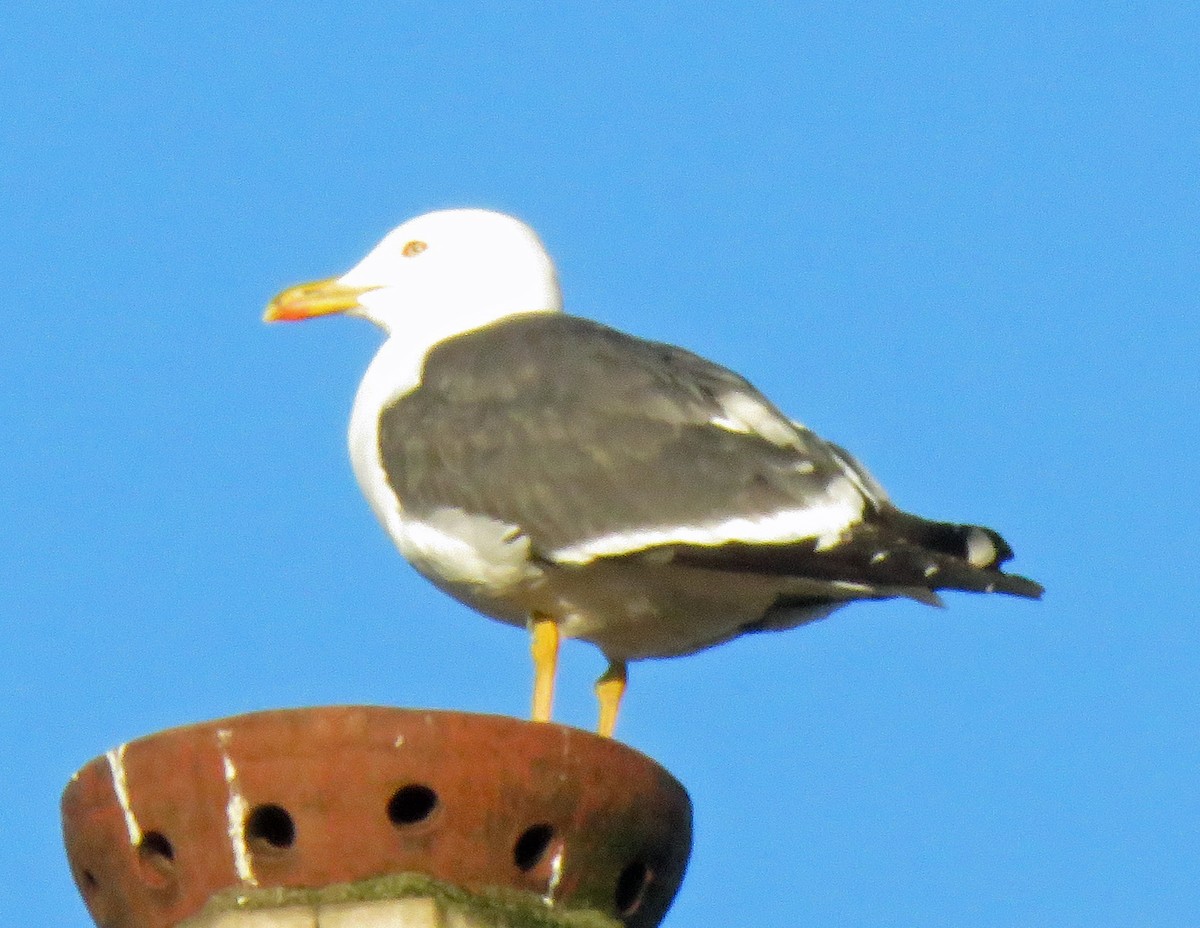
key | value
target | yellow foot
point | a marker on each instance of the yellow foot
(545, 665)
(609, 690)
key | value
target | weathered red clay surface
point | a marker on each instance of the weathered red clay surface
(311, 797)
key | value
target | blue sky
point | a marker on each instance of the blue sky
(959, 238)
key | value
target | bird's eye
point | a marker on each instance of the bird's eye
(413, 248)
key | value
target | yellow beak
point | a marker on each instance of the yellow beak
(319, 298)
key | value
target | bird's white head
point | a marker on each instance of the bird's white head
(439, 274)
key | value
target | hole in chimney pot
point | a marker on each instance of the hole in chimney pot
(411, 804)
(272, 825)
(631, 888)
(156, 859)
(531, 846)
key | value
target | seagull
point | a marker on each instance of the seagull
(560, 475)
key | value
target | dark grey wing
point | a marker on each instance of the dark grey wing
(887, 552)
(890, 553)
(862, 477)
(594, 443)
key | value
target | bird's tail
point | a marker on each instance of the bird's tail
(952, 556)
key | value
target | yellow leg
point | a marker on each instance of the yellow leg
(545, 665)
(609, 690)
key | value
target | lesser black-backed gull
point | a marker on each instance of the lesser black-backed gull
(555, 473)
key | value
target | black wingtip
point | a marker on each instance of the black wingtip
(964, 557)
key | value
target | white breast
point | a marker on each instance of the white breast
(390, 375)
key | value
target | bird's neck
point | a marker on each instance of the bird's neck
(396, 368)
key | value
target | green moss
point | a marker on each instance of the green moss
(504, 908)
